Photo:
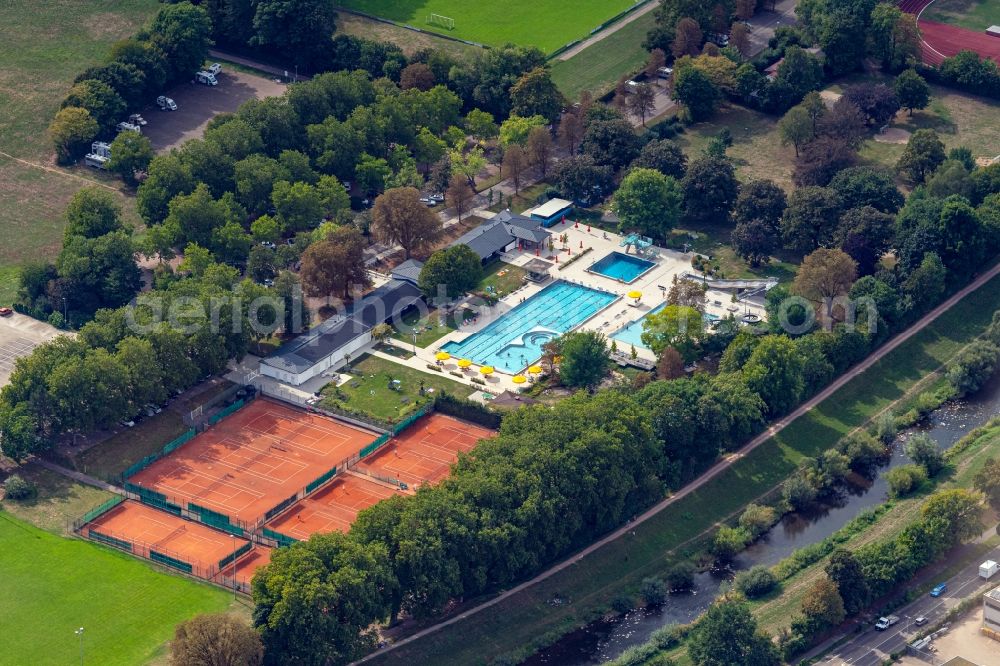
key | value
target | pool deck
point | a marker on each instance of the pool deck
(610, 319)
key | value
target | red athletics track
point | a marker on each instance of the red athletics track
(941, 41)
(252, 460)
(424, 452)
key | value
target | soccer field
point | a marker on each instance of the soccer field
(970, 14)
(547, 24)
(53, 585)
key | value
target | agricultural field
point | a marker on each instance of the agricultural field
(971, 14)
(43, 46)
(127, 608)
(548, 24)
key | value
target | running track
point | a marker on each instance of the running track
(714, 471)
(941, 40)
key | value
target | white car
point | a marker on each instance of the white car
(214, 68)
(128, 423)
(165, 103)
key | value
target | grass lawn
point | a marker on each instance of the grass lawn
(972, 14)
(547, 24)
(59, 502)
(43, 46)
(113, 456)
(429, 328)
(408, 40)
(530, 619)
(369, 391)
(713, 241)
(501, 278)
(53, 585)
(597, 67)
(523, 200)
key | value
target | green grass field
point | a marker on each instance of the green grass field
(43, 46)
(547, 24)
(530, 619)
(972, 14)
(53, 585)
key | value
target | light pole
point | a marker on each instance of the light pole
(79, 632)
(414, 342)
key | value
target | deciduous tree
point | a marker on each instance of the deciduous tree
(648, 201)
(451, 272)
(400, 217)
(824, 276)
(72, 131)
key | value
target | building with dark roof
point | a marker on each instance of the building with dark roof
(504, 233)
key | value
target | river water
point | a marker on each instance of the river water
(606, 639)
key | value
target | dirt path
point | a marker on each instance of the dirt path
(598, 36)
(715, 470)
(61, 172)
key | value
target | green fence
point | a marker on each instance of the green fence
(320, 480)
(226, 411)
(153, 498)
(215, 519)
(374, 446)
(180, 565)
(282, 539)
(280, 506)
(153, 457)
(110, 540)
(232, 557)
(99, 511)
(408, 421)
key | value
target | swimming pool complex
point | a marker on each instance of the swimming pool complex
(622, 267)
(631, 333)
(516, 338)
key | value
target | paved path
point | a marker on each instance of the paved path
(715, 470)
(615, 27)
(77, 476)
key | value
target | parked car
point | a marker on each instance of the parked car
(920, 621)
(214, 68)
(6, 312)
(268, 282)
(939, 589)
(427, 201)
(128, 423)
(269, 245)
(165, 103)
(886, 622)
(664, 72)
(439, 198)
(155, 409)
(137, 119)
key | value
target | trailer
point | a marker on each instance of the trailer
(988, 568)
(99, 155)
(165, 103)
(129, 127)
(206, 78)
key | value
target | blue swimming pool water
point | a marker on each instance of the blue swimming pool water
(631, 333)
(622, 267)
(516, 338)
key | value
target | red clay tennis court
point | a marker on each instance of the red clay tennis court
(333, 507)
(246, 566)
(250, 461)
(146, 529)
(424, 452)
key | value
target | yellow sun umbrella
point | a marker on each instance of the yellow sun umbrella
(635, 293)
(519, 379)
(464, 362)
(442, 356)
(535, 369)
(486, 370)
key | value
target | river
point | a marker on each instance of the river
(605, 639)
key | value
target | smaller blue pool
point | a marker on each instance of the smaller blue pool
(631, 333)
(622, 267)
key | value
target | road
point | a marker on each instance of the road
(715, 470)
(872, 648)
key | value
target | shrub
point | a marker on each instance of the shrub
(680, 577)
(924, 451)
(728, 542)
(667, 637)
(885, 427)
(622, 603)
(16, 488)
(757, 519)
(431, 366)
(904, 480)
(653, 591)
(755, 582)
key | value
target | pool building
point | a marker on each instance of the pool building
(516, 338)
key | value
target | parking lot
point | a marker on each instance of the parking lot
(18, 336)
(197, 104)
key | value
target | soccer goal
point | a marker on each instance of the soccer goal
(441, 21)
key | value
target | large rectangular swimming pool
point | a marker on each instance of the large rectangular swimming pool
(514, 340)
(622, 267)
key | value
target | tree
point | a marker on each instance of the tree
(400, 218)
(986, 481)
(912, 90)
(648, 201)
(774, 371)
(710, 189)
(584, 359)
(654, 591)
(570, 131)
(216, 640)
(580, 179)
(893, 37)
(669, 364)
(514, 163)
(539, 149)
(428, 149)
(757, 519)
(745, 9)
(952, 517)
(168, 177)
(450, 272)
(468, 164)
(972, 367)
(755, 240)
(760, 200)
(811, 218)
(865, 234)
(298, 29)
(822, 604)
(867, 186)
(92, 213)
(923, 154)
(335, 265)
(825, 276)
(796, 128)
(131, 153)
(183, 33)
(728, 543)
(925, 452)
(663, 155)
(656, 59)
(71, 131)
(688, 293)
(927, 282)
(20, 430)
(677, 326)
(515, 130)
(846, 573)
(696, 91)
(536, 94)
(104, 104)
(459, 194)
(739, 39)
(298, 205)
(800, 71)
(839, 39)
(611, 142)
(687, 38)
(481, 125)
(876, 101)
(371, 173)
(727, 634)
(642, 102)
(416, 75)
